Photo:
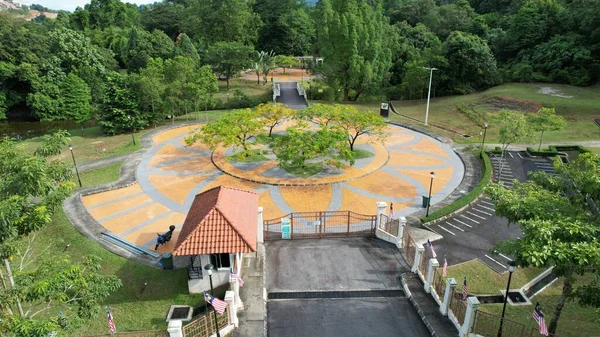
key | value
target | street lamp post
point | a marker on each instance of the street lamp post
(132, 130)
(209, 268)
(429, 93)
(511, 269)
(430, 186)
(75, 164)
(485, 126)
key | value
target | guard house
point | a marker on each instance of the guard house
(220, 227)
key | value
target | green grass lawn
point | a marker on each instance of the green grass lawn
(309, 169)
(248, 87)
(252, 156)
(99, 176)
(361, 154)
(575, 321)
(579, 111)
(92, 145)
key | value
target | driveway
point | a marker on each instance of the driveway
(349, 286)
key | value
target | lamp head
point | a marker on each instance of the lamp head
(432, 174)
(70, 147)
(486, 125)
(209, 268)
(511, 266)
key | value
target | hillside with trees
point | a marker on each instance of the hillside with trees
(110, 59)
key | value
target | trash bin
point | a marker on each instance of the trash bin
(425, 201)
(166, 260)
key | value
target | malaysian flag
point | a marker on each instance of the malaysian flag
(111, 322)
(215, 302)
(432, 250)
(539, 318)
(445, 268)
(464, 289)
(391, 210)
(237, 277)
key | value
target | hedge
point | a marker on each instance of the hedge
(553, 150)
(467, 198)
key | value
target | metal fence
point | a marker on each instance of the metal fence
(409, 247)
(310, 225)
(424, 263)
(389, 225)
(438, 283)
(204, 325)
(458, 306)
(487, 324)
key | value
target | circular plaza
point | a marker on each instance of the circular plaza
(171, 174)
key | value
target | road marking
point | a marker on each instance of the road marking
(519, 153)
(446, 230)
(491, 209)
(511, 155)
(503, 266)
(488, 203)
(504, 256)
(505, 173)
(449, 224)
(464, 223)
(466, 217)
(476, 215)
(480, 211)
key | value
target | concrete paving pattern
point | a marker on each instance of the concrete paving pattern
(170, 174)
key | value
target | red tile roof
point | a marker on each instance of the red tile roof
(221, 220)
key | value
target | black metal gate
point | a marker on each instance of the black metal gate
(310, 225)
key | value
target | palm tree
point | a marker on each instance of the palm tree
(267, 64)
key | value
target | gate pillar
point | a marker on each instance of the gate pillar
(260, 231)
(401, 225)
(450, 286)
(232, 312)
(174, 329)
(419, 249)
(433, 263)
(472, 305)
(381, 208)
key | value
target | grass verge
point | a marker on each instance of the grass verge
(361, 154)
(100, 176)
(251, 156)
(467, 198)
(309, 169)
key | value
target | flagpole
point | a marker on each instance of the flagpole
(209, 267)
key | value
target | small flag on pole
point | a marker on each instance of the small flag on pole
(391, 210)
(111, 322)
(237, 277)
(464, 289)
(215, 302)
(432, 250)
(539, 318)
(445, 268)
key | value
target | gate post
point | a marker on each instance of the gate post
(433, 263)
(472, 305)
(174, 329)
(450, 286)
(260, 229)
(400, 238)
(381, 207)
(232, 312)
(419, 249)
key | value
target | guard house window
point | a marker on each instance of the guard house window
(220, 261)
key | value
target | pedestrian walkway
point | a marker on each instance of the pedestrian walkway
(290, 97)
(252, 317)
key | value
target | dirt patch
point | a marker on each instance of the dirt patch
(553, 92)
(497, 103)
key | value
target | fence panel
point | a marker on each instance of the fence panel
(458, 306)
(310, 225)
(424, 263)
(409, 248)
(204, 326)
(438, 283)
(487, 324)
(389, 225)
(145, 333)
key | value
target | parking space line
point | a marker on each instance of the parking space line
(519, 153)
(510, 154)
(464, 223)
(504, 256)
(480, 211)
(503, 266)
(451, 225)
(487, 203)
(491, 209)
(466, 217)
(446, 230)
(476, 215)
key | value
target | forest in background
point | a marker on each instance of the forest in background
(130, 66)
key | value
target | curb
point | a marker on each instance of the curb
(417, 307)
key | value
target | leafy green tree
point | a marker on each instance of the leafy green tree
(229, 58)
(162, 45)
(266, 65)
(286, 61)
(184, 47)
(559, 230)
(52, 144)
(323, 115)
(411, 11)
(233, 129)
(179, 76)
(535, 22)
(512, 127)
(75, 99)
(120, 112)
(164, 16)
(202, 86)
(471, 65)
(150, 83)
(31, 190)
(227, 20)
(273, 114)
(546, 120)
(138, 50)
(74, 50)
(107, 13)
(356, 123)
(355, 41)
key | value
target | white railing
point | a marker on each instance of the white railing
(276, 92)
